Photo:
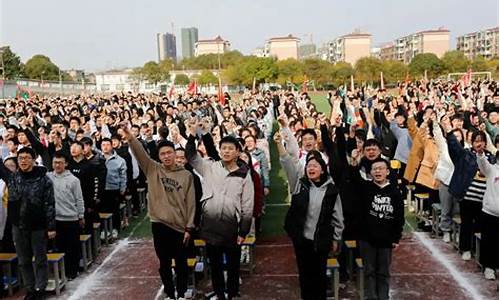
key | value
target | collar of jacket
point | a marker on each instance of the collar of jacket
(240, 172)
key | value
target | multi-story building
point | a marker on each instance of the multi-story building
(259, 52)
(166, 45)
(429, 41)
(189, 37)
(483, 43)
(349, 48)
(307, 51)
(282, 47)
(217, 45)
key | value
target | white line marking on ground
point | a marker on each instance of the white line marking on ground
(159, 293)
(439, 256)
(93, 278)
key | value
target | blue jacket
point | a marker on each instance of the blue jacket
(465, 166)
(116, 177)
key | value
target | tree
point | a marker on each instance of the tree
(341, 73)
(368, 69)
(262, 69)
(12, 63)
(151, 72)
(207, 77)
(165, 66)
(318, 70)
(455, 61)
(181, 79)
(426, 61)
(290, 70)
(394, 71)
(40, 67)
(479, 64)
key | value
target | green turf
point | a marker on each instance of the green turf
(138, 228)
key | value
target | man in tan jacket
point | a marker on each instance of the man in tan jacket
(171, 207)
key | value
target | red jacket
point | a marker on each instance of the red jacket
(258, 194)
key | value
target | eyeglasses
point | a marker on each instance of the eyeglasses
(379, 169)
(24, 158)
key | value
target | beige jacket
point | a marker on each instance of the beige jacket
(171, 198)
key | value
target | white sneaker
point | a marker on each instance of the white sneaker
(489, 274)
(103, 235)
(115, 234)
(466, 255)
(446, 237)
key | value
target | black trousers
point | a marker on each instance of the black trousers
(215, 254)
(168, 245)
(470, 212)
(489, 241)
(312, 270)
(111, 204)
(68, 242)
(377, 275)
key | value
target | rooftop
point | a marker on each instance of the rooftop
(284, 38)
(217, 39)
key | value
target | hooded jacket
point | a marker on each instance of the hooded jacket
(381, 211)
(116, 176)
(68, 196)
(490, 199)
(228, 199)
(31, 199)
(171, 193)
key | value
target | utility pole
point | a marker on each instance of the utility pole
(3, 71)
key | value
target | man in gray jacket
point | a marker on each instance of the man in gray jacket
(227, 207)
(69, 213)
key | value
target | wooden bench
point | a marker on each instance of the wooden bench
(477, 253)
(96, 239)
(141, 193)
(86, 245)
(351, 246)
(420, 198)
(107, 226)
(361, 278)
(436, 218)
(455, 231)
(332, 266)
(409, 199)
(250, 243)
(56, 260)
(8, 261)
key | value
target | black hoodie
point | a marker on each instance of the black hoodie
(381, 212)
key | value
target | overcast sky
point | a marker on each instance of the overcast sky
(104, 34)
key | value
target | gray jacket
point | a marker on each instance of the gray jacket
(68, 196)
(116, 178)
(227, 201)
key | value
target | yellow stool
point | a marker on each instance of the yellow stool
(56, 260)
(9, 259)
(107, 222)
(86, 244)
(333, 265)
(250, 243)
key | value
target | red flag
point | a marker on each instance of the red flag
(192, 88)
(222, 99)
(304, 85)
(467, 78)
(171, 91)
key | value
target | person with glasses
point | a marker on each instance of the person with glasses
(31, 209)
(381, 212)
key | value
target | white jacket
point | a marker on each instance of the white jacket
(445, 167)
(490, 199)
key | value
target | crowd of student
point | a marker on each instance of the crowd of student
(206, 168)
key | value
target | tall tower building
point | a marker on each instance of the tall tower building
(189, 37)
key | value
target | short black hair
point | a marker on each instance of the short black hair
(165, 143)
(229, 139)
(380, 159)
(309, 131)
(79, 143)
(478, 133)
(87, 141)
(28, 150)
(106, 140)
(372, 142)
(60, 154)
